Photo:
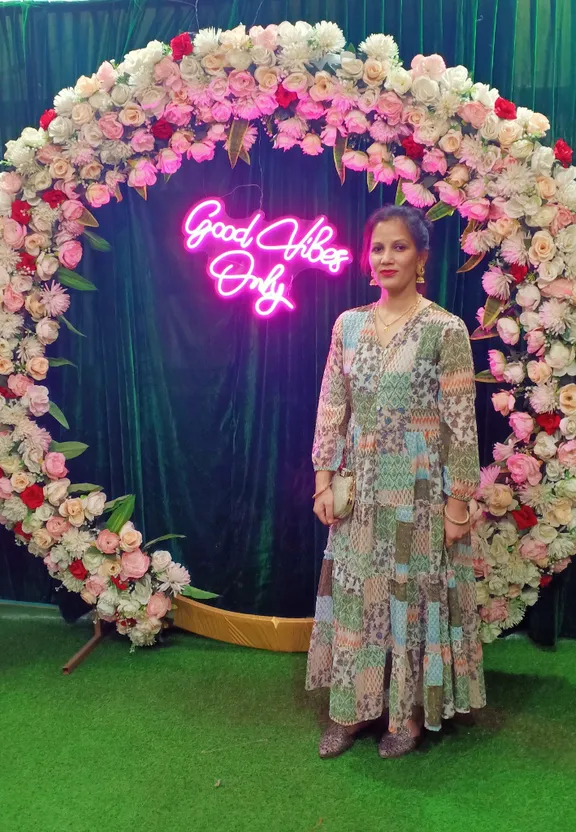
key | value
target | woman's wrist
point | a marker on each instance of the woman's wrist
(323, 479)
(457, 508)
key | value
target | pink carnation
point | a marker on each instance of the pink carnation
(496, 283)
(532, 549)
(567, 454)
(475, 209)
(434, 161)
(178, 114)
(19, 384)
(503, 402)
(5, 488)
(96, 585)
(406, 168)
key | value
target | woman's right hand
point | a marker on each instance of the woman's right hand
(324, 507)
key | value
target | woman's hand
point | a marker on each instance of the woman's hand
(324, 507)
(453, 531)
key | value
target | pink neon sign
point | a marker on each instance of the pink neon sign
(258, 248)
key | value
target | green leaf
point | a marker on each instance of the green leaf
(492, 309)
(471, 263)
(487, 377)
(235, 139)
(61, 362)
(121, 514)
(70, 449)
(480, 334)
(400, 199)
(97, 242)
(58, 415)
(339, 149)
(245, 156)
(87, 218)
(198, 594)
(74, 280)
(440, 210)
(70, 326)
(112, 504)
(164, 537)
(83, 488)
(350, 48)
(370, 181)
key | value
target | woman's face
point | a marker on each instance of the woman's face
(393, 256)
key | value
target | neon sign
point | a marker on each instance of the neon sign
(261, 257)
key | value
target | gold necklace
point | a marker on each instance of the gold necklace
(408, 311)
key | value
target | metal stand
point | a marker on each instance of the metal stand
(100, 632)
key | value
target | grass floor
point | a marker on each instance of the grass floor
(196, 735)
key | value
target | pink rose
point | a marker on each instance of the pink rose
(97, 195)
(475, 209)
(96, 585)
(72, 209)
(142, 140)
(449, 194)
(522, 424)
(503, 402)
(5, 488)
(563, 218)
(135, 564)
(158, 605)
(13, 301)
(532, 549)
(310, 109)
(561, 565)
(406, 168)
(498, 362)
(70, 253)
(536, 341)
(434, 161)
(562, 287)
(524, 468)
(57, 526)
(221, 111)
(356, 122)
(168, 72)
(567, 454)
(110, 126)
(496, 611)
(311, 144)
(107, 542)
(107, 75)
(355, 159)
(179, 142)
(10, 182)
(508, 330)
(241, 82)
(390, 105)
(431, 65)
(46, 154)
(37, 399)
(14, 233)
(19, 384)
(143, 173)
(201, 151)
(168, 161)
(55, 466)
(178, 114)
(266, 103)
(473, 112)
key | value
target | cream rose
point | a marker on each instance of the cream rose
(73, 510)
(214, 62)
(351, 66)
(296, 82)
(568, 428)
(500, 499)
(132, 115)
(91, 171)
(267, 78)
(491, 127)
(537, 125)
(42, 538)
(567, 399)
(544, 533)
(130, 539)
(82, 113)
(56, 492)
(120, 94)
(559, 514)
(85, 87)
(545, 446)
(19, 481)
(458, 176)
(47, 331)
(451, 141)
(559, 356)
(509, 132)
(6, 366)
(545, 187)
(60, 168)
(374, 72)
(542, 247)
(34, 306)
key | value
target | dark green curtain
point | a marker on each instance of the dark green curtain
(204, 412)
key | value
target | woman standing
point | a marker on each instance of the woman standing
(396, 626)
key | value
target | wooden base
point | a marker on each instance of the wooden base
(100, 631)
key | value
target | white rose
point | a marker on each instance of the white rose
(44, 512)
(559, 356)
(522, 149)
(94, 504)
(190, 68)
(542, 160)
(425, 90)
(566, 488)
(537, 125)
(5, 204)
(46, 265)
(399, 80)
(56, 492)
(545, 446)
(484, 94)
(554, 469)
(33, 137)
(128, 606)
(120, 94)
(41, 180)
(92, 134)
(262, 56)
(568, 428)
(17, 153)
(547, 272)
(61, 129)
(153, 99)
(10, 464)
(351, 66)
(107, 602)
(100, 101)
(457, 79)
(64, 101)
(161, 560)
(85, 87)
(491, 127)
(153, 52)
(543, 217)
(238, 59)
(514, 372)
(530, 320)
(528, 296)
(543, 532)
(142, 590)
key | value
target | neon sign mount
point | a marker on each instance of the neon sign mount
(278, 250)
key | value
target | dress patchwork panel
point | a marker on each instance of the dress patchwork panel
(396, 622)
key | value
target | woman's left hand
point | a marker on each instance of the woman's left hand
(454, 531)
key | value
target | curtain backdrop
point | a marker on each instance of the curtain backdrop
(202, 411)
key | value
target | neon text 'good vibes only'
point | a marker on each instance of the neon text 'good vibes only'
(261, 257)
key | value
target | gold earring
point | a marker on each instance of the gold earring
(420, 273)
(373, 282)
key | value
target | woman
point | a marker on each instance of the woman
(396, 625)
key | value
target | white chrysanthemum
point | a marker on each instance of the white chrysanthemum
(6, 445)
(539, 497)
(8, 260)
(553, 315)
(564, 546)
(61, 129)
(173, 578)
(71, 583)
(18, 153)
(295, 56)
(514, 249)
(114, 152)
(543, 398)
(12, 413)
(43, 215)
(566, 239)
(64, 101)
(33, 137)
(10, 324)
(566, 195)
(515, 179)
(78, 152)
(30, 347)
(207, 41)
(77, 541)
(448, 104)
(471, 151)
(516, 611)
(516, 571)
(328, 37)
(14, 509)
(380, 47)
(144, 635)
(61, 556)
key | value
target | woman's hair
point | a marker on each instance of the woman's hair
(418, 227)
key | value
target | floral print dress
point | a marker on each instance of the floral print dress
(396, 623)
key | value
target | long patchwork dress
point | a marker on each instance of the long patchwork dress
(396, 621)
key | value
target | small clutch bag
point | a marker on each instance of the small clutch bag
(344, 491)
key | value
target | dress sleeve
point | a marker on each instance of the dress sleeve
(333, 408)
(456, 403)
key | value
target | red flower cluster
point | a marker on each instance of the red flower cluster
(21, 211)
(27, 262)
(518, 272)
(78, 570)
(505, 109)
(18, 531)
(525, 517)
(53, 197)
(162, 129)
(32, 497)
(6, 393)
(412, 148)
(545, 580)
(549, 422)
(46, 117)
(563, 152)
(181, 45)
(118, 583)
(284, 97)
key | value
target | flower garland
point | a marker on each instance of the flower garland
(451, 145)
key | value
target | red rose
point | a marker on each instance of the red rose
(119, 584)
(412, 148)
(46, 117)
(181, 45)
(27, 262)
(32, 497)
(549, 422)
(284, 97)
(78, 569)
(127, 622)
(504, 108)
(525, 517)
(162, 129)
(518, 272)
(563, 152)
(54, 198)
(21, 211)
(545, 580)
(19, 532)
(7, 393)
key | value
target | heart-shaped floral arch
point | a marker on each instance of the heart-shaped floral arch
(451, 145)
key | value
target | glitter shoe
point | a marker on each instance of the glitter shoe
(335, 741)
(397, 745)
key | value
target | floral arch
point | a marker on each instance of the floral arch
(450, 144)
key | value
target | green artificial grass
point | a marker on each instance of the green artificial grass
(196, 735)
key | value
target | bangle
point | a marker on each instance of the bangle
(457, 522)
(322, 490)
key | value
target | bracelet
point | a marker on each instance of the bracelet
(457, 522)
(322, 490)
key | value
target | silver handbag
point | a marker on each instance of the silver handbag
(344, 492)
